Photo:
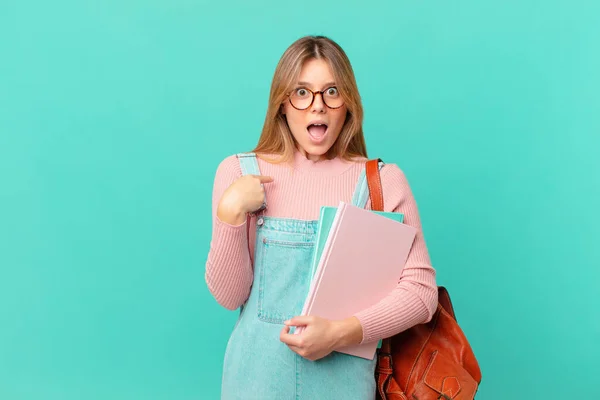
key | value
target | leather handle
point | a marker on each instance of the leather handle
(374, 183)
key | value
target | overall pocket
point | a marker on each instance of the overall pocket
(284, 279)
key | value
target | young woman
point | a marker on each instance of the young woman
(265, 208)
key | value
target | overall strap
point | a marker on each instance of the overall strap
(361, 192)
(249, 166)
(248, 163)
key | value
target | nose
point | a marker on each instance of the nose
(318, 105)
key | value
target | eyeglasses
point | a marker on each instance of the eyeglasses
(302, 98)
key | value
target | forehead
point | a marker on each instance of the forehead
(316, 72)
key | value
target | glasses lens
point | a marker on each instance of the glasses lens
(301, 98)
(333, 98)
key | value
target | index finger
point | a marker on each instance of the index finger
(289, 338)
(264, 178)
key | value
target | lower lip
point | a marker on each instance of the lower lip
(318, 140)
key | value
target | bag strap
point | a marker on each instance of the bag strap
(374, 183)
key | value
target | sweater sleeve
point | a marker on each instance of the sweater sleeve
(229, 273)
(414, 300)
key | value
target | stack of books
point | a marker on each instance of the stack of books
(358, 260)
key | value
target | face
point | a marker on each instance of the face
(317, 127)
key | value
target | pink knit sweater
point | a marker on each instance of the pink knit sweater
(298, 193)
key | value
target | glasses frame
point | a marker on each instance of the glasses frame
(314, 95)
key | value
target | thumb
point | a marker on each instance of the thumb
(299, 321)
(264, 178)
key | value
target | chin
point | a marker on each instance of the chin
(315, 150)
(314, 147)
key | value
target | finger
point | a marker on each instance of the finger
(299, 320)
(301, 352)
(295, 349)
(290, 339)
(285, 331)
(264, 178)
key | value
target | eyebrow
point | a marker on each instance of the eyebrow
(328, 84)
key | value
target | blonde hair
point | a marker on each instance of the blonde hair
(276, 137)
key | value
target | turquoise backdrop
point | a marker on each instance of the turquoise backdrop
(115, 114)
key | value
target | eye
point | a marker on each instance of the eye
(332, 91)
(301, 92)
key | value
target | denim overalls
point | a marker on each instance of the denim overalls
(257, 365)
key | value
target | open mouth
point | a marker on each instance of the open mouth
(317, 132)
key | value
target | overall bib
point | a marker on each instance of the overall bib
(257, 365)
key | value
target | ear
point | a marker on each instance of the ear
(282, 109)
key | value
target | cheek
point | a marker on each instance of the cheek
(294, 118)
(340, 118)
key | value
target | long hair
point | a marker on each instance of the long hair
(276, 137)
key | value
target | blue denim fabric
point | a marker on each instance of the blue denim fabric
(257, 365)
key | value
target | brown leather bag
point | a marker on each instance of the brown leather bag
(428, 361)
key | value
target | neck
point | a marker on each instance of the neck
(320, 165)
(311, 157)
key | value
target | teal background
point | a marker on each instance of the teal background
(115, 114)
